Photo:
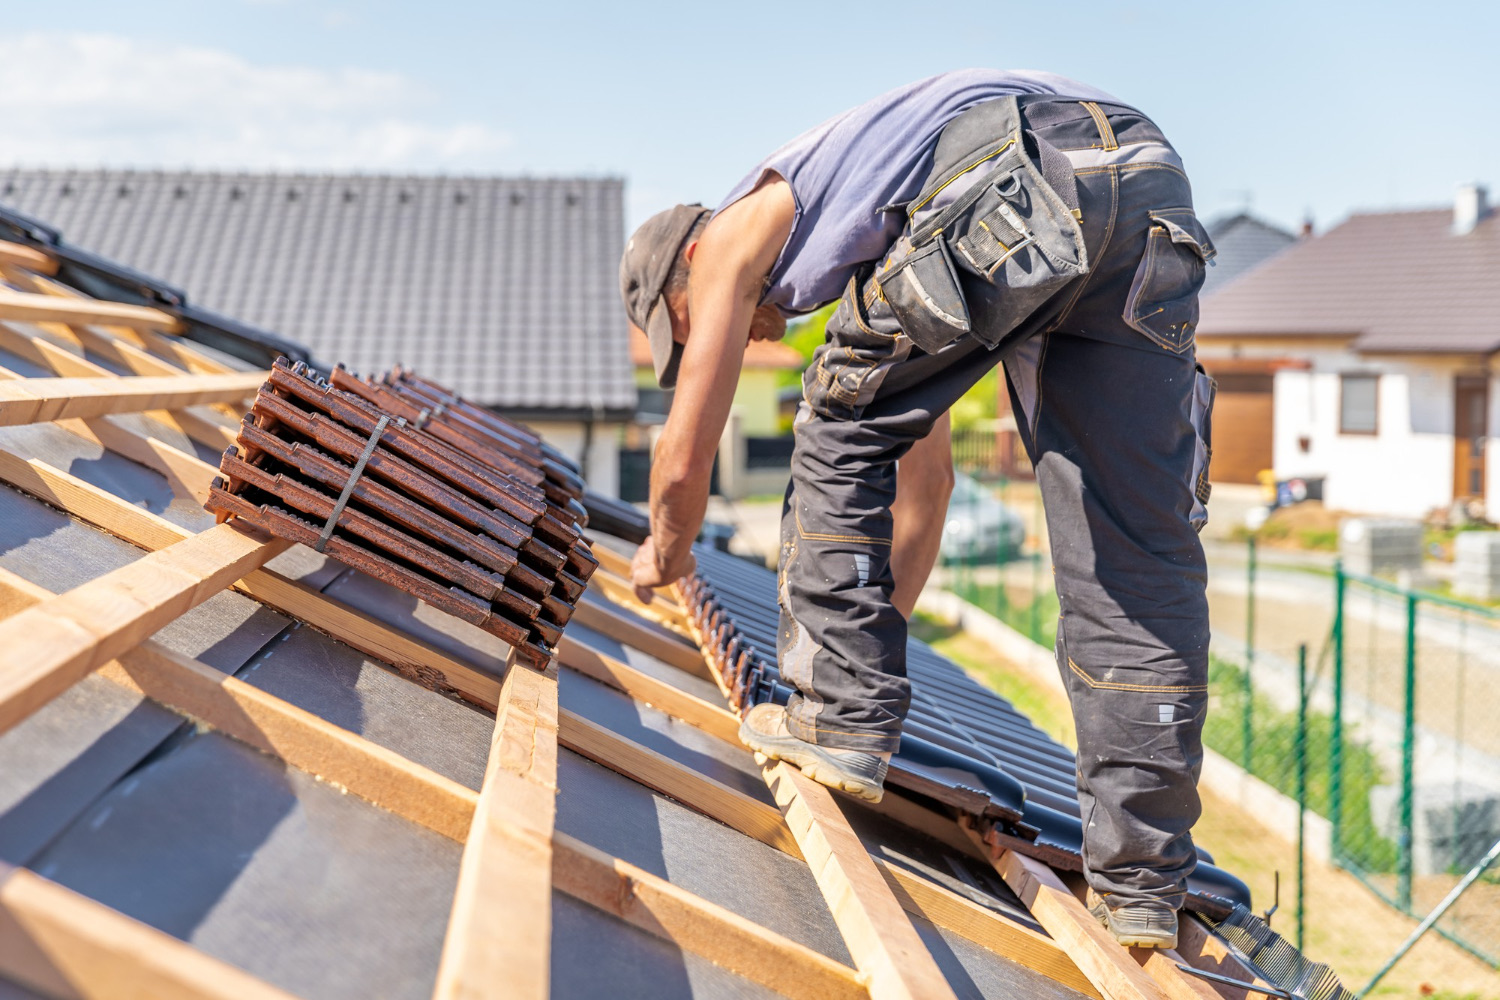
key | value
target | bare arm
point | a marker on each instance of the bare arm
(729, 269)
(924, 482)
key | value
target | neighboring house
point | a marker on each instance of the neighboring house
(505, 289)
(1243, 242)
(1375, 346)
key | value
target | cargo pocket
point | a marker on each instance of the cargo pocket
(924, 295)
(1204, 390)
(850, 365)
(1004, 247)
(1163, 299)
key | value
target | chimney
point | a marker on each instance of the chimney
(1469, 208)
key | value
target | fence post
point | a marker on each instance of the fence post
(1246, 722)
(1301, 786)
(1408, 744)
(1336, 746)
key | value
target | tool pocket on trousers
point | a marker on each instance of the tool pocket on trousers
(1001, 251)
(850, 365)
(1163, 299)
(1204, 391)
(925, 297)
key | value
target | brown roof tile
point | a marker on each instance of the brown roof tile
(1398, 281)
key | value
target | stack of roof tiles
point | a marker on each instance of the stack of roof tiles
(401, 478)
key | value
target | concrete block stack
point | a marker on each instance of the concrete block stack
(1476, 564)
(1371, 546)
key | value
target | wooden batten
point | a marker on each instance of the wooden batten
(646, 636)
(62, 944)
(695, 925)
(500, 934)
(32, 307)
(647, 767)
(578, 656)
(37, 400)
(886, 948)
(52, 645)
(20, 255)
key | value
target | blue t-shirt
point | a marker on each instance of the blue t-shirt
(845, 170)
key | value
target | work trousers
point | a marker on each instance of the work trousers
(1113, 412)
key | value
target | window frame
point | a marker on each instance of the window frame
(1373, 431)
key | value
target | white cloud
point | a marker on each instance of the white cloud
(91, 100)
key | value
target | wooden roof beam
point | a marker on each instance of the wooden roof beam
(63, 944)
(38, 400)
(20, 255)
(33, 307)
(500, 934)
(54, 644)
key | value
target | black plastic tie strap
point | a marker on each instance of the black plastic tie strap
(359, 470)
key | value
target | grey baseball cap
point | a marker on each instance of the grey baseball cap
(644, 268)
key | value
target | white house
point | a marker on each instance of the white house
(1367, 356)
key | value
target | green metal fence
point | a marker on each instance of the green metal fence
(1415, 740)
(1373, 708)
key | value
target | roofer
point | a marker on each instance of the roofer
(975, 218)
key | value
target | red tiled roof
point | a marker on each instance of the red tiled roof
(1397, 281)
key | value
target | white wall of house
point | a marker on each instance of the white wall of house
(603, 468)
(1406, 468)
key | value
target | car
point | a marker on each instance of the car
(979, 526)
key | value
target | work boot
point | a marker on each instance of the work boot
(1140, 923)
(854, 772)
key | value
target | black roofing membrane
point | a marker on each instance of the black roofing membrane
(51, 549)
(267, 868)
(225, 631)
(699, 687)
(338, 683)
(138, 485)
(695, 853)
(405, 613)
(976, 972)
(14, 991)
(654, 729)
(596, 955)
(68, 753)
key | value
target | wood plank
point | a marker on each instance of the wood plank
(650, 638)
(696, 925)
(1201, 949)
(52, 645)
(645, 766)
(20, 255)
(1112, 970)
(1006, 938)
(58, 359)
(33, 307)
(500, 933)
(37, 400)
(65, 945)
(619, 590)
(885, 945)
(578, 656)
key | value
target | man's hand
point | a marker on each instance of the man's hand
(647, 573)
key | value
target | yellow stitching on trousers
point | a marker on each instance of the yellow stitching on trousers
(823, 537)
(1145, 688)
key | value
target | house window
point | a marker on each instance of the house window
(1359, 398)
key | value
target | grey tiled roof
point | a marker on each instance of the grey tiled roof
(1243, 242)
(1396, 281)
(504, 289)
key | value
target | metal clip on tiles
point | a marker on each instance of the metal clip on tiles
(359, 470)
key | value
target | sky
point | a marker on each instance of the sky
(1291, 110)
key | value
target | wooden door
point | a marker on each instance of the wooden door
(1243, 418)
(1471, 405)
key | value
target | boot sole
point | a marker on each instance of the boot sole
(813, 767)
(1128, 940)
